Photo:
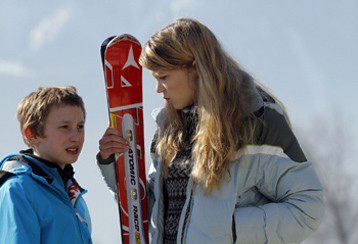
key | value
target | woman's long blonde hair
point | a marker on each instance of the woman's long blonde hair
(224, 97)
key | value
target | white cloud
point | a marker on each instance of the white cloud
(49, 27)
(13, 68)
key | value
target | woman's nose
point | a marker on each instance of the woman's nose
(160, 88)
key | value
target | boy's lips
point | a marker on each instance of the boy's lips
(73, 150)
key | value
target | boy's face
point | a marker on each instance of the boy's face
(63, 135)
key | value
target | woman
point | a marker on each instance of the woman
(226, 166)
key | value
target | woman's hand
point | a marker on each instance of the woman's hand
(111, 142)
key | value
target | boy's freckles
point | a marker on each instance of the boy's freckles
(63, 135)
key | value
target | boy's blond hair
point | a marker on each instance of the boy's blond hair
(35, 107)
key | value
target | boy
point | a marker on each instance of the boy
(40, 201)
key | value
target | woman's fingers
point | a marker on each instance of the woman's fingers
(112, 142)
(113, 138)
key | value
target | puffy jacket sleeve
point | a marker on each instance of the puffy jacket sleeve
(108, 171)
(296, 208)
(284, 176)
(18, 220)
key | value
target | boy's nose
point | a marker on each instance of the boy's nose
(76, 135)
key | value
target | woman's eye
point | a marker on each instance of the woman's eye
(162, 77)
(64, 126)
(80, 126)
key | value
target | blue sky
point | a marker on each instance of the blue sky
(304, 51)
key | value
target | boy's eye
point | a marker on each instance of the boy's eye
(81, 126)
(64, 126)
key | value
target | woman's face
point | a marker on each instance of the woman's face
(177, 86)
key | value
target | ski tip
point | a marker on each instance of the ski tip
(104, 46)
(106, 41)
(128, 37)
(121, 38)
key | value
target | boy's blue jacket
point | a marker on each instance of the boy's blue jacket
(35, 207)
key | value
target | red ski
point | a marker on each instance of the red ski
(123, 79)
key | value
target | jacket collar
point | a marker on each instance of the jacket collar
(66, 173)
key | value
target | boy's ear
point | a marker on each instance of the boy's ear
(29, 135)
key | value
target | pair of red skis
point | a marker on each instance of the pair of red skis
(123, 80)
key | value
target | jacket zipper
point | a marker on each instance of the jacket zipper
(65, 199)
